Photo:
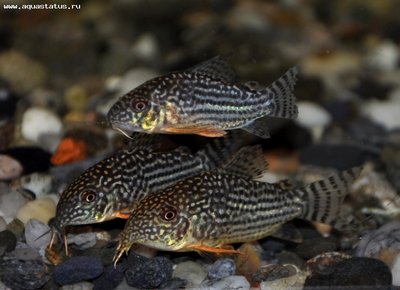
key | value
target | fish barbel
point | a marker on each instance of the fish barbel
(108, 189)
(214, 209)
(203, 100)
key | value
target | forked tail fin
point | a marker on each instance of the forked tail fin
(283, 99)
(321, 200)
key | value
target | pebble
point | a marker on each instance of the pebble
(313, 117)
(76, 98)
(8, 241)
(77, 269)
(313, 247)
(3, 224)
(9, 167)
(24, 275)
(395, 268)
(33, 130)
(110, 279)
(221, 268)
(42, 209)
(83, 241)
(322, 264)
(231, 282)
(24, 254)
(149, 274)
(37, 234)
(10, 203)
(386, 237)
(353, 272)
(386, 113)
(174, 283)
(38, 183)
(279, 276)
(192, 272)
(79, 286)
(383, 57)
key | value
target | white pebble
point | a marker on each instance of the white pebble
(386, 113)
(396, 270)
(192, 272)
(37, 234)
(231, 282)
(10, 203)
(39, 123)
(145, 47)
(83, 240)
(383, 57)
(41, 209)
(38, 183)
(313, 117)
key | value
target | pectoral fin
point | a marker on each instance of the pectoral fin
(226, 249)
(207, 132)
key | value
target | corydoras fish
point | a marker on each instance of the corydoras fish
(214, 209)
(109, 188)
(203, 100)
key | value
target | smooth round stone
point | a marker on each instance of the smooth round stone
(10, 168)
(221, 268)
(174, 283)
(395, 268)
(16, 227)
(41, 209)
(33, 120)
(354, 272)
(282, 277)
(384, 56)
(150, 274)
(313, 117)
(24, 275)
(8, 241)
(83, 241)
(37, 234)
(38, 183)
(231, 282)
(79, 286)
(386, 113)
(77, 269)
(76, 98)
(24, 254)
(190, 271)
(110, 279)
(10, 203)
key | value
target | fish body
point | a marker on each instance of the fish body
(109, 188)
(212, 210)
(203, 100)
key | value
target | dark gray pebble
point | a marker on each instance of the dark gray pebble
(221, 268)
(353, 272)
(313, 247)
(24, 275)
(8, 241)
(110, 279)
(77, 269)
(150, 273)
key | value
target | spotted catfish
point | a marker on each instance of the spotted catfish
(204, 100)
(109, 189)
(214, 209)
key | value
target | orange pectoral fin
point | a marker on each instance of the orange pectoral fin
(123, 214)
(216, 250)
(207, 132)
(69, 150)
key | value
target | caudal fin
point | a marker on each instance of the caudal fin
(321, 200)
(281, 92)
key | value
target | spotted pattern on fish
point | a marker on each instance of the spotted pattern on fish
(215, 209)
(109, 188)
(195, 102)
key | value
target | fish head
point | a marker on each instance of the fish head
(136, 111)
(93, 197)
(157, 221)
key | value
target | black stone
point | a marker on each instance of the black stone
(150, 273)
(353, 272)
(8, 241)
(23, 275)
(77, 269)
(110, 279)
(221, 268)
(313, 247)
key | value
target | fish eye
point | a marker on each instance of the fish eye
(88, 196)
(168, 214)
(139, 104)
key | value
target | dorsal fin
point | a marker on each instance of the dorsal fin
(247, 162)
(216, 67)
